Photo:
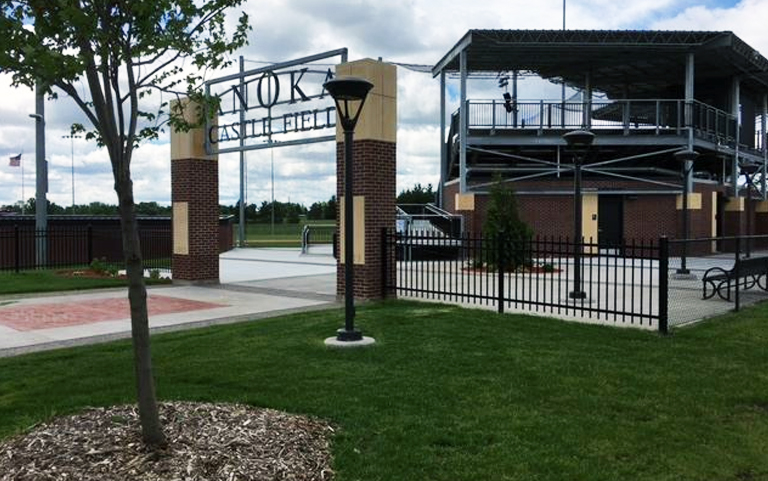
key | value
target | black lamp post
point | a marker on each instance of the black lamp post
(349, 93)
(685, 156)
(748, 171)
(580, 141)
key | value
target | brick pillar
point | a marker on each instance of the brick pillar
(373, 183)
(195, 202)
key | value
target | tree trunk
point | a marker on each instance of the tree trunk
(151, 429)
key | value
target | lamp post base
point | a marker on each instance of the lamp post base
(579, 298)
(683, 274)
(345, 335)
(352, 340)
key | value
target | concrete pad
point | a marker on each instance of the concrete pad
(246, 264)
(365, 341)
(272, 282)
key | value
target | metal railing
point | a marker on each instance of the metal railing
(316, 234)
(28, 248)
(442, 220)
(654, 116)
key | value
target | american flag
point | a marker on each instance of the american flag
(15, 161)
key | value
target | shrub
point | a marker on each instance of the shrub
(102, 267)
(503, 226)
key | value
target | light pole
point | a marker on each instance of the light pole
(72, 157)
(748, 171)
(349, 93)
(686, 157)
(41, 179)
(579, 141)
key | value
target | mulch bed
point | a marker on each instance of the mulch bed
(205, 442)
(88, 274)
(526, 270)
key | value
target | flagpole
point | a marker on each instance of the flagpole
(23, 201)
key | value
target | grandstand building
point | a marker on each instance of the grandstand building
(646, 95)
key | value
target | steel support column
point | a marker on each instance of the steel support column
(689, 96)
(443, 142)
(690, 69)
(735, 104)
(463, 122)
(763, 132)
(586, 115)
(241, 222)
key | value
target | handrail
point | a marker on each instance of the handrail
(306, 235)
(447, 223)
(657, 116)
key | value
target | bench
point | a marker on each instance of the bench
(753, 270)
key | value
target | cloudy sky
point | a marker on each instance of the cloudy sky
(398, 31)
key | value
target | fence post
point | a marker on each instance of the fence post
(384, 265)
(664, 285)
(16, 248)
(500, 260)
(737, 300)
(90, 245)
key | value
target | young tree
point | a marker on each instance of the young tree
(107, 56)
(503, 225)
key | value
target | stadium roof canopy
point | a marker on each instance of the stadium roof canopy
(651, 62)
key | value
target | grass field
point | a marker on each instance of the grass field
(282, 235)
(454, 394)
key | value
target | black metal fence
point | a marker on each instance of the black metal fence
(635, 283)
(27, 248)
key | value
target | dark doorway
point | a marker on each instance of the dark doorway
(719, 217)
(610, 220)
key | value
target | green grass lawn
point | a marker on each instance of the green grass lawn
(283, 235)
(453, 394)
(49, 281)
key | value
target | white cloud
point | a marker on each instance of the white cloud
(405, 31)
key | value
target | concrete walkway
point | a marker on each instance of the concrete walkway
(255, 283)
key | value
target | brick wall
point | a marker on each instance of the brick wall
(373, 177)
(646, 216)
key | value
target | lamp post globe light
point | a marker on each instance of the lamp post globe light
(686, 158)
(748, 170)
(349, 94)
(578, 141)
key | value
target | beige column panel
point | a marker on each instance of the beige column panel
(761, 206)
(378, 120)
(181, 228)
(694, 201)
(191, 144)
(358, 219)
(589, 219)
(735, 204)
(465, 202)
